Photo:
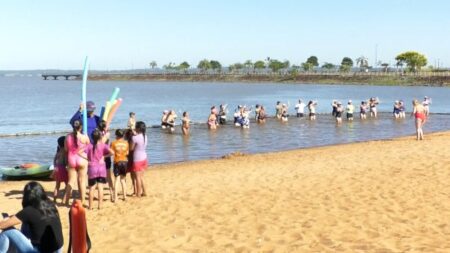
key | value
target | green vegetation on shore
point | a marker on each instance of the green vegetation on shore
(443, 79)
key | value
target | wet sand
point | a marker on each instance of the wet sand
(378, 196)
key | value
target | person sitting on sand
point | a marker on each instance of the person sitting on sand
(350, 110)
(60, 171)
(373, 102)
(262, 115)
(312, 109)
(42, 230)
(96, 153)
(363, 110)
(185, 123)
(419, 112)
(339, 111)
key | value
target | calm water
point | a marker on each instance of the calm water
(31, 105)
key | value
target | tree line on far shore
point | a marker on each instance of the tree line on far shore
(413, 61)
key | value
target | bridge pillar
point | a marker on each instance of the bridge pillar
(55, 77)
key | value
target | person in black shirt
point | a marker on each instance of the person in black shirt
(40, 217)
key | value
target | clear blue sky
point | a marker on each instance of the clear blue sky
(130, 34)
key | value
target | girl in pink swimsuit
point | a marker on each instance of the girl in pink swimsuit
(75, 146)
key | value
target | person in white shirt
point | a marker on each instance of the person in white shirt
(300, 107)
(350, 110)
(426, 105)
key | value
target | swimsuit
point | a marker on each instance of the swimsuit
(420, 115)
(74, 159)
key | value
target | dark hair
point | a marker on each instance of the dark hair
(102, 125)
(119, 133)
(34, 195)
(140, 128)
(96, 136)
(61, 141)
(77, 126)
(132, 113)
(184, 114)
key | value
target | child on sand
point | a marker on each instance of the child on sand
(105, 139)
(59, 163)
(120, 148)
(138, 147)
(96, 153)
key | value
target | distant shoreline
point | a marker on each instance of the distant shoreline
(363, 79)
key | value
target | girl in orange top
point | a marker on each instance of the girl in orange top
(121, 149)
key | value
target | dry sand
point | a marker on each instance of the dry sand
(379, 196)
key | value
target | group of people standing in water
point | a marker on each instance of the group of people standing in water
(242, 113)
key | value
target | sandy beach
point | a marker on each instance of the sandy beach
(379, 196)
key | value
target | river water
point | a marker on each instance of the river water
(43, 108)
